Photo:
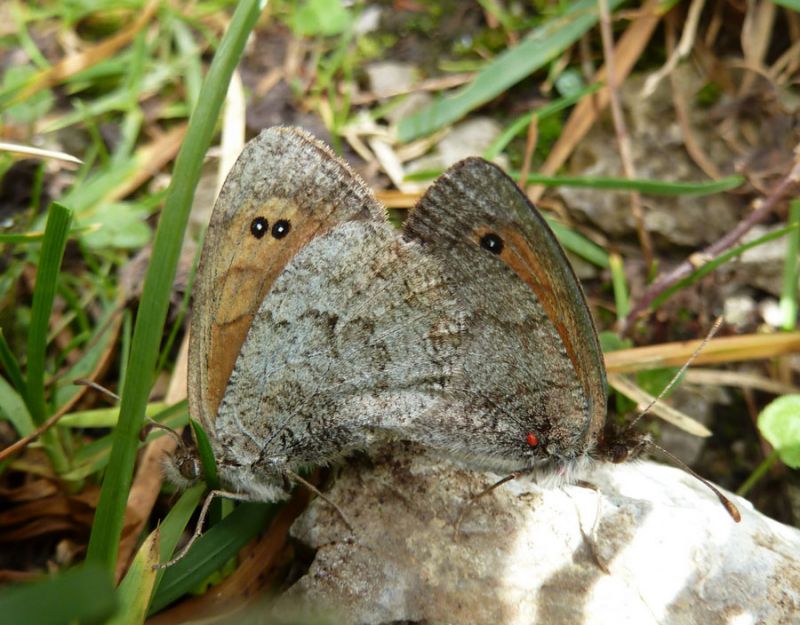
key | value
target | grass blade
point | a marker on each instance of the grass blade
(789, 289)
(83, 594)
(54, 243)
(536, 50)
(152, 313)
(10, 365)
(211, 551)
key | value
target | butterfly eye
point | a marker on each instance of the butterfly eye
(280, 228)
(259, 227)
(492, 242)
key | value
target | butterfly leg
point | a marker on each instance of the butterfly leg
(296, 478)
(198, 529)
(512, 476)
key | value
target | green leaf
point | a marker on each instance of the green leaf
(120, 225)
(14, 410)
(82, 594)
(35, 107)
(56, 232)
(175, 522)
(211, 551)
(779, 423)
(532, 53)
(720, 260)
(206, 454)
(137, 585)
(321, 17)
(11, 365)
(579, 244)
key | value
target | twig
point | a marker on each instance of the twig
(762, 207)
(684, 47)
(622, 132)
(586, 112)
(530, 146)
(693, 148)
(27, 440)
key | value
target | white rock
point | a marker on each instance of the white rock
(387, 78)
(646, 544)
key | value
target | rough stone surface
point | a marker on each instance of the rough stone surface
(658, 154)
(644, 544)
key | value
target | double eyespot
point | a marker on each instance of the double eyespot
(260, 226)
(492, 242)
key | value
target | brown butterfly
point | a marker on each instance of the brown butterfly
(318, 328)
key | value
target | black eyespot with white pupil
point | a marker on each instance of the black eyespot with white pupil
(492, 242)
(280, 228)
(259, 227)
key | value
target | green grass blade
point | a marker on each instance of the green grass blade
(56, 232)
(789, 289)
(211, 551)
(579, 244)
(648, 187)
(174, 523)
(543, 112)
(83, 594)
(206, 454)
(136, 587)
(14, 410)
(10, 365)
(104, 539)
(620, 285)
(536, 50)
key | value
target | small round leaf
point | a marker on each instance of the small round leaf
(779, 423)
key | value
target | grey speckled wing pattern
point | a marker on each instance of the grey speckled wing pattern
(319, 327)
(530, 352)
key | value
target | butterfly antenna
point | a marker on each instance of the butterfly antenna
(729, 505)
(714, 328)
(155, 425)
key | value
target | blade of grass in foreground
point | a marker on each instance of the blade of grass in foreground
(211, 551)
(108, 522)
(54, 243)
(83, 594)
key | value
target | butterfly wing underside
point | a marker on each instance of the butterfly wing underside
(300, 190)
(531, 355)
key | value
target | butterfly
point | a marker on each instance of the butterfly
(318, 328)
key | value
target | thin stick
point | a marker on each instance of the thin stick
(27, 440)
(762, 208)
(622, 132)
